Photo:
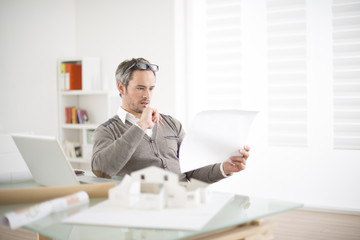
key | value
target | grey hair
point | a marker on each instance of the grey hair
(124, 76)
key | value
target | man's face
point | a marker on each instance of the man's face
(137, 96)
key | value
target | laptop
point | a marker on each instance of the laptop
(48, 163)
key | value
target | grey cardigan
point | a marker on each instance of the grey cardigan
(120, 149)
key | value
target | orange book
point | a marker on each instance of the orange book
(73, 116)
(74, 71)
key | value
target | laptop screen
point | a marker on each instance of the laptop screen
(46, 160)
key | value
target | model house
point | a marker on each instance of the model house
(156, 188)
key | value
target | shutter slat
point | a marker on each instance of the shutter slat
(223, 53)
(346, 89)
(287, 73)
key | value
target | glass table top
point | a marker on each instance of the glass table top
(241, 209)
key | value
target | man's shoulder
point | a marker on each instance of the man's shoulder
(171, 121)
(165, 115)
(110, 121)
(169, 118)
(111, 126)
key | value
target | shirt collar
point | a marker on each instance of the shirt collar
(124, 115)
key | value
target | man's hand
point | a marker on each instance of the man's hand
(149, 118)
(238, 163)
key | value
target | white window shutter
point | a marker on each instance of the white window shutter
(287, 73)
(223, 49)
(346, 62)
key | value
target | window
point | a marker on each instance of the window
(346, 48)
(298, 61)
(223, 54)
(287, 73)
(215, 55)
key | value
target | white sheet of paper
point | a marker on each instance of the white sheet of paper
(194, 218)
(19, 218)
(214, 136)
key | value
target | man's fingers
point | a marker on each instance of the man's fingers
(244, 153)
(239, 166)
(238, 162)
(157, 117)
(238, 159)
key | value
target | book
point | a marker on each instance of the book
(73, 116)
(62, 77)
(73, 76)
(69, 149)
(68, 114)
(84, 116)
(72, 149)
(76, 115)
(67, 80)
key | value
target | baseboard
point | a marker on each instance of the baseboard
(315, 208)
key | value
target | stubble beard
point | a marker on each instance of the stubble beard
(137, 109)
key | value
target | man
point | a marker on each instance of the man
(138, 136)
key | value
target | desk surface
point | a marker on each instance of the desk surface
(241, 209)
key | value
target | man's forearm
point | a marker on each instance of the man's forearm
(209, 174)
(110, 155)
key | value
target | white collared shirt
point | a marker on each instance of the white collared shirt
(124, 115)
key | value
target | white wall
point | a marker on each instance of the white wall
(118, 30)
(35, 33)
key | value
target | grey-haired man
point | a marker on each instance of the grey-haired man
(139, 136)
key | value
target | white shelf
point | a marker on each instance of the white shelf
(79, 126)
(92, 98)
(83, 93)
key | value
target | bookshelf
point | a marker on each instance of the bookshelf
(91, 97)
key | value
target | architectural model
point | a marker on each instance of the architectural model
(156, 188)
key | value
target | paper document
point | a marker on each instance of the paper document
(214, 136)
(191, 218)
(31, 214)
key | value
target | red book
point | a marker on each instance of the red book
(68, 115)
(74, 71)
